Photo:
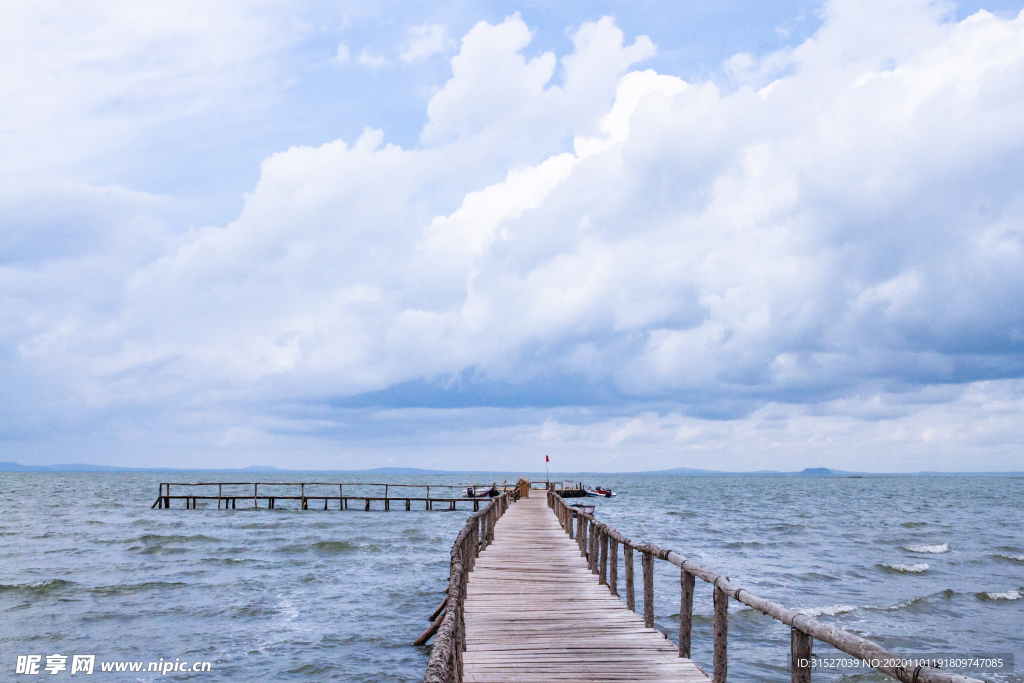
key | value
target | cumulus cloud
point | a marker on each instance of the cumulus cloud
(840, 220)
(424, 41)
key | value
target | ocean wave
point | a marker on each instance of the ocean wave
(335, 547)
(923, 548)
(1005, 595)
(129, 588)
(38, 587)
(903, 604)
(830, 611)
(153, 539)
(1011, 558)
(906, 568)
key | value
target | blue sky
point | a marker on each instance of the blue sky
(631, 235)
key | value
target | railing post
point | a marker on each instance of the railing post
(627, 558)
(581, 533)
(254, 488)
(800, 650)
(648, 564)
(592, 551)
(613, 569)
(572, 516)
(721, 599)
(602, 572)
(685, 612)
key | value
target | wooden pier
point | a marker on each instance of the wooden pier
(533, 597)
(535, 613)
(234, 495)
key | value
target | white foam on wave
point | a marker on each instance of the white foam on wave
(1015, 558)
(923, 548)
(908, 568)
(827, 611)
(1005, 595)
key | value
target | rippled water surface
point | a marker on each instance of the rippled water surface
(919, 564)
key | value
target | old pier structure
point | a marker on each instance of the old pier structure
(230, 495)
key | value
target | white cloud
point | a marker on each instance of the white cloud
(343, 55)
(570, 232)
(424, 41)
(368, 58)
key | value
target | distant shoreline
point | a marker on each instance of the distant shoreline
(681, 471)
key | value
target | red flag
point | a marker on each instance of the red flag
(547, 459)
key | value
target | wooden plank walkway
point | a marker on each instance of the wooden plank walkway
(535, 613)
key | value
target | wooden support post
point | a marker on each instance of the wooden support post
(325, 503)
(800, 650)
(254, 490)
(341, 496)
(592, 553)
(431, 630)
(581, 535)
(685, 612)
(648, 565)
(613, 569)
(219, 491)
(387, 504)
(602, 572)
(628, 560)
(367, 505)
(167, 499)
(408, 504)
(721, 662)
(571, 516)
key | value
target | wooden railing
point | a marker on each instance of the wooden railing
(445, 665)
(599, 543)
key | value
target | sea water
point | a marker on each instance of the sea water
(917, 564)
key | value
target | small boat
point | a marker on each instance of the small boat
(589, 509)
(480, 492)
(599, 492)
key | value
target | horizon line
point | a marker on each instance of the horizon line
(678, 471)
